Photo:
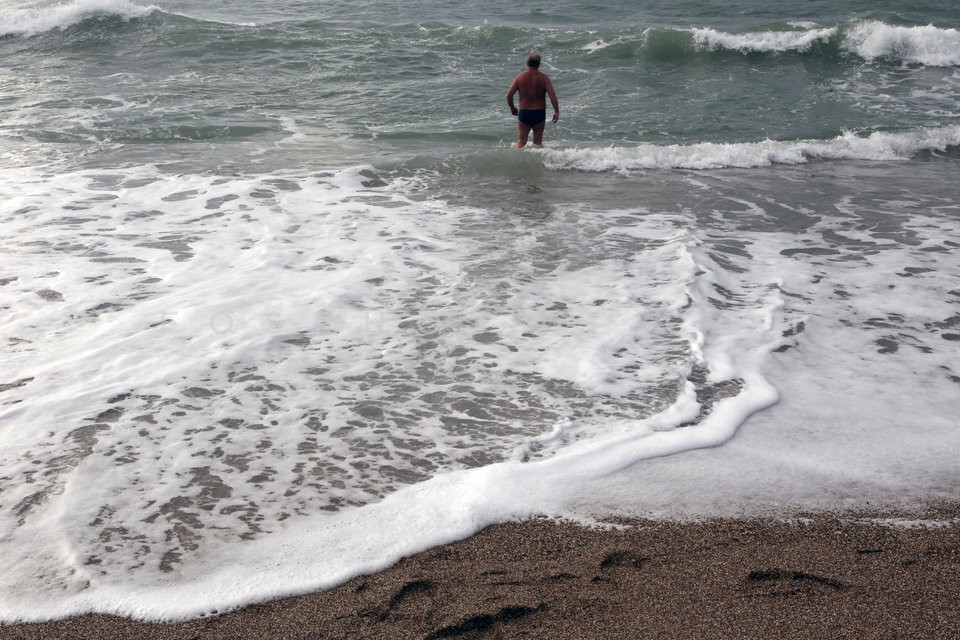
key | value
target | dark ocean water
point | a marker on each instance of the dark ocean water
(350, 82)
(281, 305)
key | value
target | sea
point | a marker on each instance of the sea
(280, 304)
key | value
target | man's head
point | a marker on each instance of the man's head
(533, 60)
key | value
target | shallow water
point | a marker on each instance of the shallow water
(276, 287)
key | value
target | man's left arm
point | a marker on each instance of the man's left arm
(553, 101)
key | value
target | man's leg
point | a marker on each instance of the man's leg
(523, 132)
(538, 133)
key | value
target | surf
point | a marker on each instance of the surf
(923, 44)
(862, 40)
(877, 146)
(39, 20)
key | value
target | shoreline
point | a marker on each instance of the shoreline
(857, 574)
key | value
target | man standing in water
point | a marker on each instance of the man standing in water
(532, 114)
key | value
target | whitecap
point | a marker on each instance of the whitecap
(31, 22)
(878, 145)
(928, 45)
(761, 41)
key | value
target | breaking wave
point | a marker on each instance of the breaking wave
(867, 39)
(31, 22)
(877, 146)
(927, 45)
(763, 41)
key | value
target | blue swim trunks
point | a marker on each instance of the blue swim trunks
(532, 117)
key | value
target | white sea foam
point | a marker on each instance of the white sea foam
(709, 155)
(208, 376)
(870, 39)
(869, 376)
(906, 523)
(212, 362)
(762, 41)
(596, 45)
(37, 20)
(928, 45)
(233, 374)
(168, 334)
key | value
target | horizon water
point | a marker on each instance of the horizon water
(281, 305)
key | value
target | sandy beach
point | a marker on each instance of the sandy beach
(851, 575)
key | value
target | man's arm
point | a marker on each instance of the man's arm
(553, 101)
(514, 87)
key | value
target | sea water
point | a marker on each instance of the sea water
(281, 305)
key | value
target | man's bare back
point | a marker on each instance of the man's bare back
(534, 87)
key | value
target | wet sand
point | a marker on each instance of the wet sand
(804, 576)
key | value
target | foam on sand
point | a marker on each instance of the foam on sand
(216, 361)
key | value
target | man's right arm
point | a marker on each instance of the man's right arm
(514, 87)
